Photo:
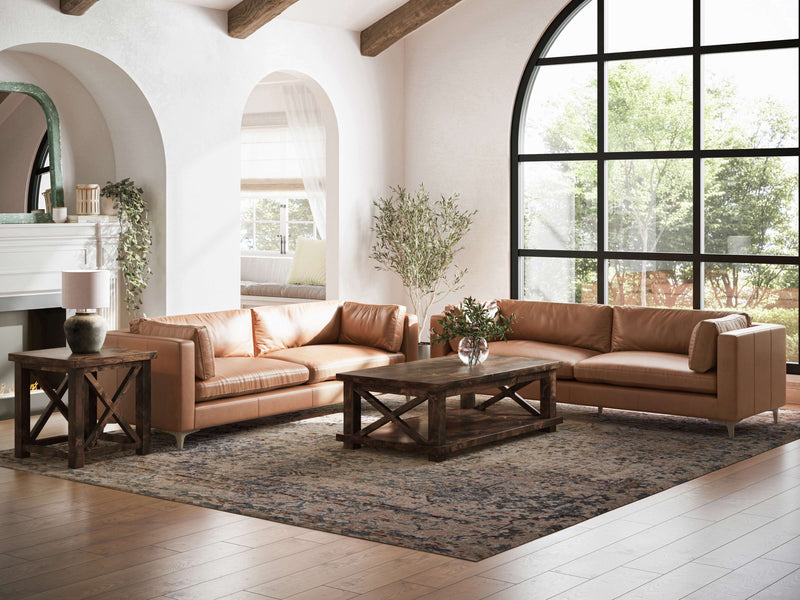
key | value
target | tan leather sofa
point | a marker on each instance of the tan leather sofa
(639, 358)
(227, 366)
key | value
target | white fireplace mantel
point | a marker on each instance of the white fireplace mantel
(32, 257)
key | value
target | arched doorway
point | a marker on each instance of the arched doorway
(289, 192)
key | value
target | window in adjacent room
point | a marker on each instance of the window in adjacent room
(275, 209)
(655, 159)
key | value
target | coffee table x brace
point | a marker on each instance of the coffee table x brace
(444, 431)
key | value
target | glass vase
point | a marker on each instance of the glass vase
(473, 351)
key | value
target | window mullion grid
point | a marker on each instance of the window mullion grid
(698, 276)
(602, 247)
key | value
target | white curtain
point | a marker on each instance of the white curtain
(308, 133)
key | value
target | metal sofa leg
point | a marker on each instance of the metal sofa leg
(774, 415)
(179, 436)
(729, 424)
(599, 410)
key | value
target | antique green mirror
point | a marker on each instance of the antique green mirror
(54, 146)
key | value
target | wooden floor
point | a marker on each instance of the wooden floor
(732, 534)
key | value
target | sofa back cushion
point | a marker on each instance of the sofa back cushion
(703, 343)
(231, 331)
(204, 367)
(373, 325)
(582, 325)
(293, 325)
(657, 329)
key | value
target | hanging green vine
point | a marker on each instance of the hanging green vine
(135, 240)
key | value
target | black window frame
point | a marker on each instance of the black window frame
(40, 168)
(697, 154)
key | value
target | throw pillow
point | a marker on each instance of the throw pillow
(308, 264)
(373, 325)
(703, 343)
(203, 348)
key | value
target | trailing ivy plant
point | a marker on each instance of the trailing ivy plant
(418, 239)
(135, 240)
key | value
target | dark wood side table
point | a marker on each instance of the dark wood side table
(56, 370)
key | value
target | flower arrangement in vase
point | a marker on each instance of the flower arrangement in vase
(474, 323)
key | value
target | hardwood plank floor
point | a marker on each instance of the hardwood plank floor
(732, 534)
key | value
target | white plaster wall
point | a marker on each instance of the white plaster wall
(22, 126)
(196, 80)
(462, 74)
(87, 154)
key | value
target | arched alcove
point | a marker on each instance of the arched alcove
(97, 104)
(266, 105)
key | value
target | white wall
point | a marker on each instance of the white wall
(195, 80)
(462, 74)
(435, 109)
(87, 154)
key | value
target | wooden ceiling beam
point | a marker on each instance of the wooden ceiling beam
(249, 16)
(399, 23)
(76, 7)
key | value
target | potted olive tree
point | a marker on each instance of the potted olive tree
(135, 240)
(418, 239)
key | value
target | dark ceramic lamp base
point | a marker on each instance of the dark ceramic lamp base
(85, 332)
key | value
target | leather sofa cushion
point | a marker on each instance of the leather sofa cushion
(239, 376)
(203, 348)
(292, 325)
(703, 343)
(568, 355)
(582, 325)
(374, 325)
(325, 361)
(231, 331)
(657, 329)
(659, 370)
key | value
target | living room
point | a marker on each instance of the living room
(156, 91)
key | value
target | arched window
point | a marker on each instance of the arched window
(39, 173)
(654, 158)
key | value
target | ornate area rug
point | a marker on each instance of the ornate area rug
(291, 469)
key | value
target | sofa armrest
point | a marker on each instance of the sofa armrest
(172, 379)
(751, 371)
(442, 348)
(410, 338)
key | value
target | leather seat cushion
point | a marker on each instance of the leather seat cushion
(237, 376)
(324, 361)
(568, 355)
(660, 370)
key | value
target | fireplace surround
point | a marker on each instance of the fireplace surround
(32, 257)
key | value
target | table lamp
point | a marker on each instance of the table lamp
(85, 291)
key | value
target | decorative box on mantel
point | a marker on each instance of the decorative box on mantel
(32, 257)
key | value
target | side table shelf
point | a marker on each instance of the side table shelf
(57, 370)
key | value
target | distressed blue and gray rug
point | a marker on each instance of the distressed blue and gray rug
(291, 469)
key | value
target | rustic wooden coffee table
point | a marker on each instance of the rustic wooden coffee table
(443, 431)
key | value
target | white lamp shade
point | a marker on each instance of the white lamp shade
(85, 289)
